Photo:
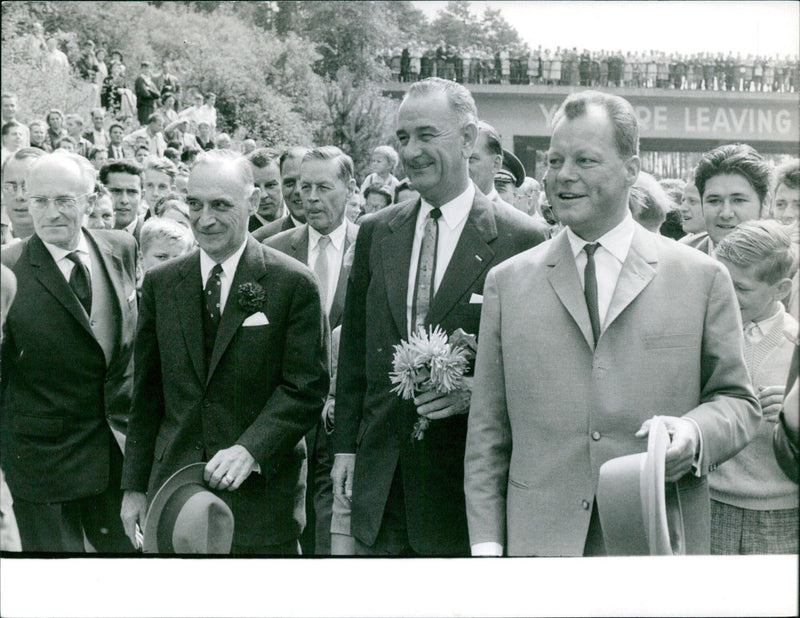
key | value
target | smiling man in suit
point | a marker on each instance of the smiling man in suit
(324, 243)
(626, 338)
(231, 367)
(421, 262)
(67, 370)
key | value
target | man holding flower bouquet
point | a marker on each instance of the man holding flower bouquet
(231, 367)
(419, 264)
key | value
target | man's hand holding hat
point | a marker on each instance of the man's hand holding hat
(683, 448)
(229, 468)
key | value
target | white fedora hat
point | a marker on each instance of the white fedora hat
(643, 515)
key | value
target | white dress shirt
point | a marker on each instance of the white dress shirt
(65, 265)
(493, 195)
(225, 277)
(335, 254)
(451, 224)
(754, 332)
(608, 259)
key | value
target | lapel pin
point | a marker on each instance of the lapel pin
(479, 258)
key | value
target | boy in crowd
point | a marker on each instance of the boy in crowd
(753, 503)
(161, 240)
(384, 160)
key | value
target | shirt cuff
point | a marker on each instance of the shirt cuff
(489, 548)
(697, 468)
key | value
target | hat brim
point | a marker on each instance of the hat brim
(639, 516)
(514, 165)
(193, 473)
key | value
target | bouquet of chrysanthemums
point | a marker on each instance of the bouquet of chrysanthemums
(429, 361)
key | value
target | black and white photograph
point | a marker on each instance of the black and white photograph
(400, 308)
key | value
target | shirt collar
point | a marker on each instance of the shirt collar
(59, 254)
(493, 195)
(767, 324)
(131, 227)
(336, 236)
(228, 266)
(455, 211)
(617, 241)
(295, 221)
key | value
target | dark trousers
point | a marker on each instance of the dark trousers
(595, 545)
(288, 548)
(60, 526)
(392, 539)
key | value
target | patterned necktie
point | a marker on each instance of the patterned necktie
(212, 294)
(423, 292)
(80, 282)
(590, 289)
(321, 268)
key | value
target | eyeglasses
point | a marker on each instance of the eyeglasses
(63, 203)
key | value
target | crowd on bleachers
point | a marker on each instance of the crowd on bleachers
(594, 68)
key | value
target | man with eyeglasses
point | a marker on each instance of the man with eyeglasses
(123, 179)
(67, 367)
(14, 202)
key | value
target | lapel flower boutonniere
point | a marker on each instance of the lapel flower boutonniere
(251, 297)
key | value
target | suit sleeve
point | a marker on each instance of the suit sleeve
(296, 403)
(729, 413)
(351, 370)
(488, 448)
(147, 407)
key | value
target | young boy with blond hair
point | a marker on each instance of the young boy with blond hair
(754, 505)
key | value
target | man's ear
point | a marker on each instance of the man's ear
(253, 200)
(90, 203)
(497, 161)
(632, 167)
(783, 289)
(470, 136)
(766, 207)
(351, 187)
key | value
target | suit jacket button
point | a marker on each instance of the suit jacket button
(595, 435)
(585, 505)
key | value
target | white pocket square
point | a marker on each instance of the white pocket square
(132, 296)
(257, 319)
(476, 299)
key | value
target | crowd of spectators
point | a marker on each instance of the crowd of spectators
(142, 144)
(593, 68)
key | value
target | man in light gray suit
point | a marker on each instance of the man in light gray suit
(637, 325)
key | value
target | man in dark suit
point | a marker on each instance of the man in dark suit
(267, 173)
(421, 262)
(67, 370)
(325, 244)
(147, 93)
(290, 176)
(123, 179)
(231, 367)
(115, 147)
(486, 161)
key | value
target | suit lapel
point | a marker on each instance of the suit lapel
(300, 244)
(344, 272)
(50, 276)
(251, 269)
(563, 277)
(471, 257)
(396, 255)
(637, 271)
(112, 262)
(188, 307)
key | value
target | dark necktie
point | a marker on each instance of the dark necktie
(423, 292)
(321, 268)
(80, 282)
(590, 289)
(211, 304)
